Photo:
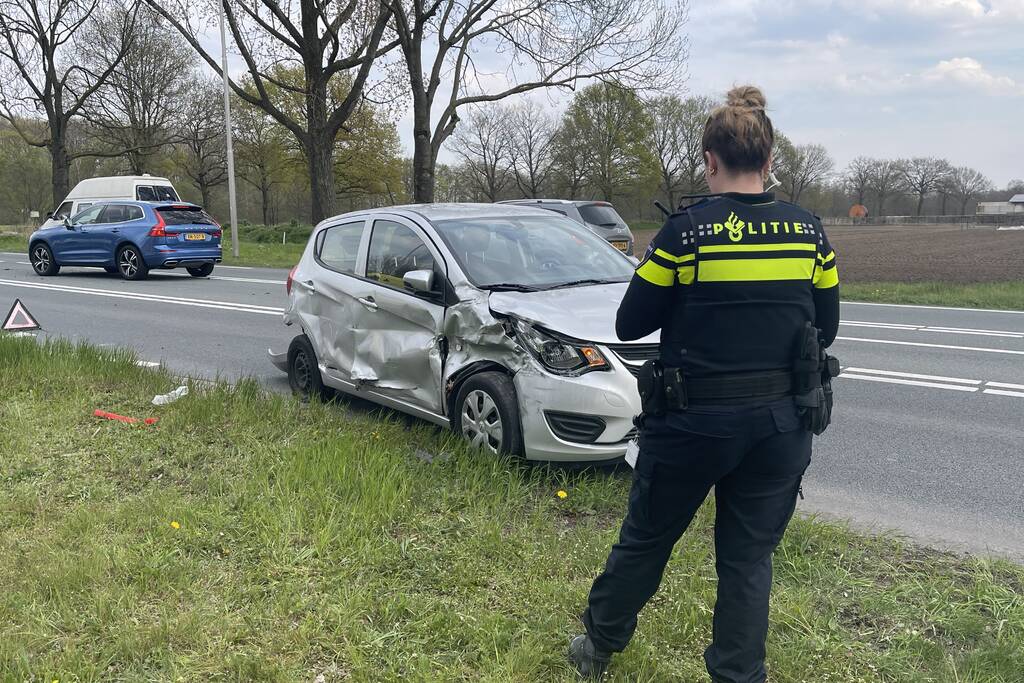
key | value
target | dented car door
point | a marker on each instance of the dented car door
(398, 345)
(331, 291)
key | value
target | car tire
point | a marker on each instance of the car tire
(201, 271)
(487, 414)
(304, 371)
(130, 263)
(43, 263)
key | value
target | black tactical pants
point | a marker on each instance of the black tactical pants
(755, 458)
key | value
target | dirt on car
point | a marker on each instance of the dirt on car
(919, 253)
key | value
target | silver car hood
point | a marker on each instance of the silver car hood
(586, 313)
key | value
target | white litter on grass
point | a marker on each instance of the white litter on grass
(1011, 227)
(164, 399)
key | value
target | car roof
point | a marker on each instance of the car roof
(164, 204)
(450, 211)
(574, 202)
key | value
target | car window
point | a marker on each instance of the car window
(155, 193)
(82, 207)
(89, 216)
(120, 213)
(185, 215)
(396, 249)
(338, 247)
(536, 251)
(62, 211)
(600, 214)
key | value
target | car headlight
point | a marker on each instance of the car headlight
(558, 355)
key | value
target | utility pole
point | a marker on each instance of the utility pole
(232, 204)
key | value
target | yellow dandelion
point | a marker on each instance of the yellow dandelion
(175, 525)
(562, 494)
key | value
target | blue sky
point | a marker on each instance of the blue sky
(885, 78)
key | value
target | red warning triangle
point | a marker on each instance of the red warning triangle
(19, 318)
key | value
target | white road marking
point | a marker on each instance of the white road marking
(1001, 392)
(910, 375)
(147, 364)
(933, 328)
(233, 279)
(931, 308)
(932, 346)
(24, 263)
(238, 267)
(156, 298)
(970, 386)
(911, 382)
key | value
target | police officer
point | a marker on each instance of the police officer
(734, 282)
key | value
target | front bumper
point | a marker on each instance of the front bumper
(611, 396)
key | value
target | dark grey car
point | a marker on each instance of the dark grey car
(601, 217)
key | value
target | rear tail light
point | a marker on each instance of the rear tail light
(291, 278)
(160, 229)
(216, 233)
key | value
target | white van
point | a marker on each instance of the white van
(144, 188)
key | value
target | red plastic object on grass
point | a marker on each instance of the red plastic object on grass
(121, 418)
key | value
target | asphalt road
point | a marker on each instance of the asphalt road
(927, 440)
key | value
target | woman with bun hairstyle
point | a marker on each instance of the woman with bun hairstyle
(740, 285)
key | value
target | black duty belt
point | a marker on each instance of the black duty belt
(749, 386)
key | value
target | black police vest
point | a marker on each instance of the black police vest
(750, 292)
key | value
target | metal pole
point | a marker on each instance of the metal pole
(232, 204)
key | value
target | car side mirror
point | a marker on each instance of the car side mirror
(419, 281)
(68, 224)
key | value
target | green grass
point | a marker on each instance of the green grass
(317, 539)
(999, 295)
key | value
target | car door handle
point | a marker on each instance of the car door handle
(115, 230)
(368, 302)
(307, 284)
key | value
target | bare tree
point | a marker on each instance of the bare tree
(483, 145)
(569, 166)
(42, 75)
(667, 142)
(260, 151)
(139, 106)
(858, 178)
(202, 155)
(965, 184)
(885, 180)
(532, 134)
(325, 39)
(543, 43)
(696, 111)
(922, 176)
(800, 166)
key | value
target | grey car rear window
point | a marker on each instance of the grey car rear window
(600, 214)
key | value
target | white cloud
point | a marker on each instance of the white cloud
(968, 72)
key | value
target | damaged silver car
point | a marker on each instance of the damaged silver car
(494, 320)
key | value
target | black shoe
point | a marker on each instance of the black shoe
(590, 662)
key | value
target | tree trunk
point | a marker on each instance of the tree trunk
(963, 206)
(920, 203)
(422, 156)
(265, 201)
(942, 212)
(320, 154)
(204, 190)
(60, 168)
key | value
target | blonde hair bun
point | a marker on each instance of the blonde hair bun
(747, 97)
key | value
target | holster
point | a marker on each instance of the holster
(814, 370)
(660, 388)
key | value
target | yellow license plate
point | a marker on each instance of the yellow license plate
(195, 236)
(621, 246)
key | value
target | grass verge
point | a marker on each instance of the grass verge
(247, 537)
(999, 295)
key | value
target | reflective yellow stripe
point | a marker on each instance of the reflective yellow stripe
(685, 274)
(824, 279)
(674, 259)
(787, 246)
(825, 259)
(656, 274)
(753, 270)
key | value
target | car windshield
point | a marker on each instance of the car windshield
(600, 214)
(531, 252)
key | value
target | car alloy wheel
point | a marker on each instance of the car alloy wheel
(302, 372)
(481, 421)
(41, 260)
(128, 263)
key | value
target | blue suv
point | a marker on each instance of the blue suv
(130, 238)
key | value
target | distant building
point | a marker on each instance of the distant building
(1014, 205)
